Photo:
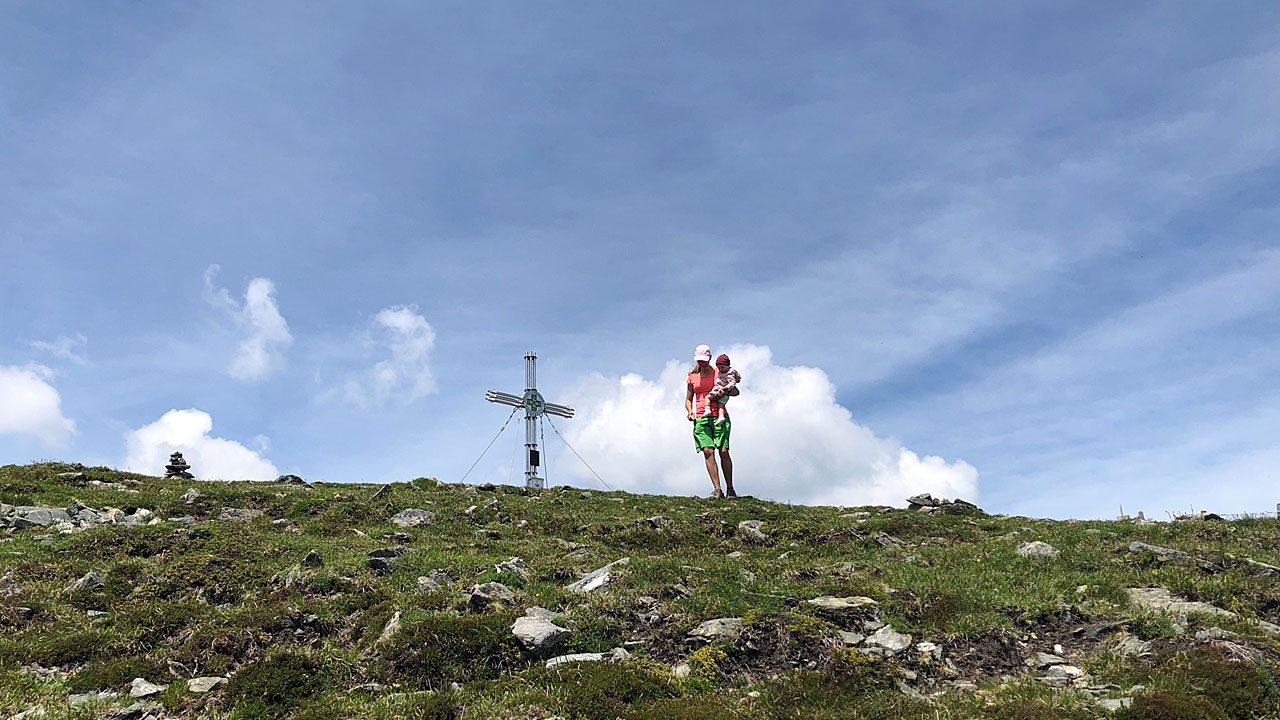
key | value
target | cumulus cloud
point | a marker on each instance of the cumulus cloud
(30, 405)
(71, 348)
(188, 431)
(791, 439)
(266, 332)
(406, 339)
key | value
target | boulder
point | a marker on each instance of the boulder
(1037, 549)
(749, 530)
(542, 613)
(412, 517)
(514, 566)
(915, 502)
(537, 634)
(313, 560)
(191, 497)
(434, 580)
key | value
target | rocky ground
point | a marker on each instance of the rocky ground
(124, 596)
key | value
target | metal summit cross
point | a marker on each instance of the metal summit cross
(534, 406)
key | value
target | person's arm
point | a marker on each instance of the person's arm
(731, 384)
(688, 400)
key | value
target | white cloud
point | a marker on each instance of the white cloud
(187, 431)
(30, 405)
(405, 374)
(267, 333)
(65, 347)
(791, 439)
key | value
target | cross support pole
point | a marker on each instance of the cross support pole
(534, 406)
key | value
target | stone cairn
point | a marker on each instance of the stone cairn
(178, 467)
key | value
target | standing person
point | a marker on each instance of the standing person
(709, 438)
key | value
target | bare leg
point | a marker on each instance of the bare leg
(726, 463)
(710, 455)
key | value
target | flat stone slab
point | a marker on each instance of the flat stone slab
(718, 629)
(827, 602)
(204, 684)
(614, 655)
(1160, 599)
(595, 579)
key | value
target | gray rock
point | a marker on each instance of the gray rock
(391, 552)
(514, 566)
(1037, 549)
(889, 639)
(1214, 633)
(92, 697)
(191, 497)
(614, 655)
(412, 517)
(1161, 600)
(1132, 646)
(596, 579)
(718, 629)
(239, 514)
(851, 638)
(542, 613)
(312, 560)
(204, 684)
(390, 629)
(379, 565)
(538, 634)
(1044, 659)
(1065, 672)
(486, 594)
(923, 500)
(136, 711)
(141, 688)
(659, 521)
(749, 530)
(25, 516)
(1113, 704)
(91, 582)
(434, 580)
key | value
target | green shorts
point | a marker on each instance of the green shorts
(707, 434)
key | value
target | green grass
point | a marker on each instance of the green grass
(229, 599)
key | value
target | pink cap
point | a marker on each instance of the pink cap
(702, 352)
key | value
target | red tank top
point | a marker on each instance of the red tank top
(703, 384)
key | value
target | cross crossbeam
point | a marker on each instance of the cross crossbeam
(534, 407)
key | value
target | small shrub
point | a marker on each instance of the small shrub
(440, 648)
(273, 687)
(705, 662)
(1240, 689)
(1170, 706)
(602, 691)
(115, 673)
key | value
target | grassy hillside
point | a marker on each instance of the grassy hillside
(293, 610)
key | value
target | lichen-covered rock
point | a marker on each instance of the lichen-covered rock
(538, 634)
(412, 517)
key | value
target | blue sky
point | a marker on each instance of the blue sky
(1030, 245)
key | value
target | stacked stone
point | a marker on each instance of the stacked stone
(178, 467)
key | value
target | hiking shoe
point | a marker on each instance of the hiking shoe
(716, 494)
(730, 493)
